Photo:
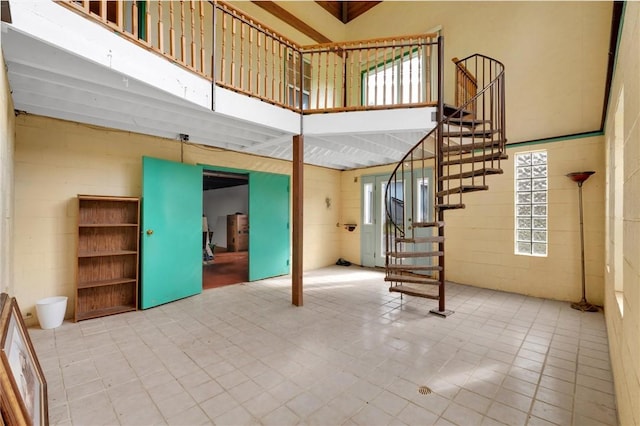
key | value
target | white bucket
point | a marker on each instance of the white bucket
(51, 311)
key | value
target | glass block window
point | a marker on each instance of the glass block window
(531, 203)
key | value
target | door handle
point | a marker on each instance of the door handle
(149, 231)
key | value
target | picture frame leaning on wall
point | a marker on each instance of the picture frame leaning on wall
(23, 397)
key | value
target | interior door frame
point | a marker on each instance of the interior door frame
(252, 174)
(378, 180)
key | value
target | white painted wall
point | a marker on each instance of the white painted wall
(218, 203)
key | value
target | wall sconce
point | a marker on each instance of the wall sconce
(348, 226)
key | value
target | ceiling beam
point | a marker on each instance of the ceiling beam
(292, 20)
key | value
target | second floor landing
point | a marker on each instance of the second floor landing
(63, 65)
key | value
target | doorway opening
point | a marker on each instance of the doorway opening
(225, 228)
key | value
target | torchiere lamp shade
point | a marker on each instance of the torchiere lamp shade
(579, 177)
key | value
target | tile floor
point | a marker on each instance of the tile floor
(355, 354)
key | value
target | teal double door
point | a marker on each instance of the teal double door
(171, 240)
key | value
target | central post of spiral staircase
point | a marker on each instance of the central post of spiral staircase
(439, 183)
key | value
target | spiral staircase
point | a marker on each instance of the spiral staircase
(456, 157)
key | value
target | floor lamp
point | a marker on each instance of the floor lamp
(582, 305)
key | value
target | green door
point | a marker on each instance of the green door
(171, 240)
(269, 246)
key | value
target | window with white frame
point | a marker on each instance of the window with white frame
(368, 197)
(298, 86)
(422, 188)
(531, 203)
(394, 82)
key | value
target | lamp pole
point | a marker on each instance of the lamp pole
(582, 305)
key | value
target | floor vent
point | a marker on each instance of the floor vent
(424, 390)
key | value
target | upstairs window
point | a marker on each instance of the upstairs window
(398, 81)
(531, 203)
(295, 82)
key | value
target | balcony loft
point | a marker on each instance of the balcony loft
(156, 72)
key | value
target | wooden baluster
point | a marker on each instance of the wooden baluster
(394, 54)
(251, 64)
(267, 43)
(234, 29)
(349, 97)
(183, 39)
(134, 18)
(335, 57)
(258, 59)
(365, 79)
(317, 55)
(242, 43)
(384, 78)
(420, 73)
(375, 70)
(281, 83)
(147, 21)
(411, 73)
(429, 72)
(326, 79)
(160, 28)
(223, 46)
(192, 7)
(202, 46)
(172, 33)
(274, 45)
(120, 16)
(103, 10)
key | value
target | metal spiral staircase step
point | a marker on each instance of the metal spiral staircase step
(429, 292)
(476, 159)
(399, 268)
(450, 110)
(462, 190)
(418, 240)
(474, 146)
(467, 122)
(473, 173)
(450, 206)
(398, 278)
(475, 133)
(413, 254)
(428, 224)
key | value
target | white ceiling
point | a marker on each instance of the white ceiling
(50, 81)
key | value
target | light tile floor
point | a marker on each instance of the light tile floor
(355, 354)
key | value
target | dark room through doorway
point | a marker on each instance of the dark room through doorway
(225, 229)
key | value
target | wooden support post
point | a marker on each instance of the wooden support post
(297, 193)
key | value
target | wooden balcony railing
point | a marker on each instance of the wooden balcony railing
(223, 45)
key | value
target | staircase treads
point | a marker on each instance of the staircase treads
(418, 240)
(467, 122)
(414, 267)
(414, 279)
(417, 290)
(475, 146)
(413, 254)
(473, 173)
(476, 159)
(462, 189)
(449, 206)
(449, 110)
(475, 133)
(439, 224)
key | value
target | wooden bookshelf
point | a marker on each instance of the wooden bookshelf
(108, 251)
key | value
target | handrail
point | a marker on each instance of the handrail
(226, 46)
(490, 108)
